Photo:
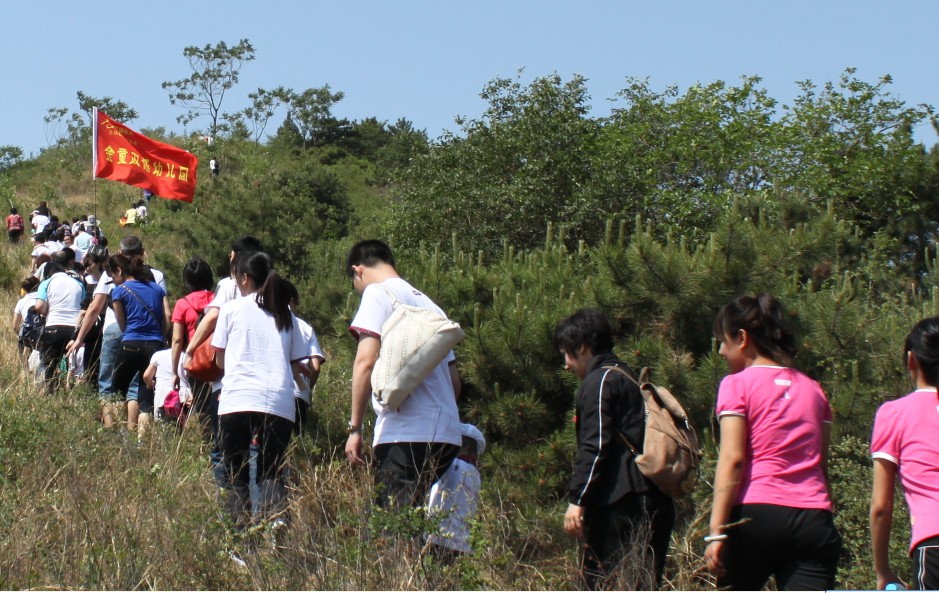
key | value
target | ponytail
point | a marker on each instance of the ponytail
(764, 319)
(272, 295)
(132, 266)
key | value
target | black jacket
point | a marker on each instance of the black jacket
(609, 406)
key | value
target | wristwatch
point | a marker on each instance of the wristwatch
(352, 429)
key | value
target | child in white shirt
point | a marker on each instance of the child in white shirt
(159, 377)
(455, 497)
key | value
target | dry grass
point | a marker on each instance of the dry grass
(82, 507)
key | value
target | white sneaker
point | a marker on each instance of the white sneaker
(234, 557)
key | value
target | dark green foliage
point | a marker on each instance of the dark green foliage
(289, 206)
(677, 160)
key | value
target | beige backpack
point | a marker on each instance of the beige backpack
(413, 341)
(670, 454)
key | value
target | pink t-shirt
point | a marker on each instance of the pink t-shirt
(187, 310)
(905, 432)
(785, 412)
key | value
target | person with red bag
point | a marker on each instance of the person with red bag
(197, 281)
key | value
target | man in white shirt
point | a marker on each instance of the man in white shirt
(416, 443)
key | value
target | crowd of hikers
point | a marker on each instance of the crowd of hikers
(103, 317)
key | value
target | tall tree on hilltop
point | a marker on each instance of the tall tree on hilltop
(311, 114)
(215, 71)
(264, 104)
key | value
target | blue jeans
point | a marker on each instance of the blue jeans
(110, 348)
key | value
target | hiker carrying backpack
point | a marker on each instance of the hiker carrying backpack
(612, 504)
(31, 329)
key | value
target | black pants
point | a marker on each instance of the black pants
(303, 412)
(236, 430)
(800, 547)
(205, 406)
(52, 345)
(92, 357)
(134, 357)
(626, 542)
(926, 565)
(405, 471)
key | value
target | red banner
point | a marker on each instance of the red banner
(124, 155)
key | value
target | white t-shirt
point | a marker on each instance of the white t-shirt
(163, 361)
(226, 291)
(454, 499)
(64, 296)
(106, 285)
(40, 249)
(40, 221)
(313, 350)
(430, 414)
(23, 304)
(258, 377)
(83, 242)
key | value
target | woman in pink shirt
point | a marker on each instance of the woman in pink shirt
(772, 511)
(904, 442)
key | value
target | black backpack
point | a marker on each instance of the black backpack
(31, 329)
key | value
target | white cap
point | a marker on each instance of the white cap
(468, 430)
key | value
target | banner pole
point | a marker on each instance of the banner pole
(94, 163)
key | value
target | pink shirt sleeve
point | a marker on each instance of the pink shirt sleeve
(885, 440)
(730, 398)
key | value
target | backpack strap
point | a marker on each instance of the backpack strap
(664, 396)
(643, 374)
(146, 306)
(395, 301)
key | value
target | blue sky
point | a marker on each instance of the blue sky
(428, 61)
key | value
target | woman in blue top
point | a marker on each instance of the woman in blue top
(142, 310)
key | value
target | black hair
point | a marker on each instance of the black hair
(586, 327)
(51, 268)
(197, 275)
(246, 244)
(923, 343)
(64, 257)
(41, 237)
(132, 266)
(764, 319)
(272, 294)
(131, 245)
(369, 253)
(30, 284)
(13, 211)
(469, 446)
(292, 293)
